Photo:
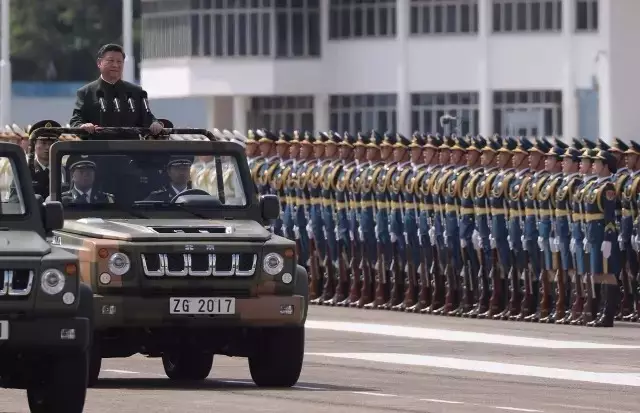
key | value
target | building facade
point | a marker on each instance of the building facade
(518, 67)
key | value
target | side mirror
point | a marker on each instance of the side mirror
(269, 207)
(53, 215)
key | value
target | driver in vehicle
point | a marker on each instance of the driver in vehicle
(83, 175)
(179, 172)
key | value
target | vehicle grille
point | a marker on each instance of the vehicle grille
(199, 265)
(16, 283)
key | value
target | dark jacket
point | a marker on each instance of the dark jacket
(87, 109)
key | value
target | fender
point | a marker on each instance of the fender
(302, 288)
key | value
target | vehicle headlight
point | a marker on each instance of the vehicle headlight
(273, 263)
(119, 263)
(52, 281)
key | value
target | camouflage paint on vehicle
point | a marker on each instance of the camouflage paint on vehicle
(143, 301)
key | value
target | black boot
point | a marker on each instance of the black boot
(611, 294)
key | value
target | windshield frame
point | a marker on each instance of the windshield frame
(31, 219)
(88, 147)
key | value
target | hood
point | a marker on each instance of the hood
(168, 229)
(23, 243)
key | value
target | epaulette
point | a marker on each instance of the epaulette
(500, 188)
(549, 188)
(630, 191)
(566, 189)
(620, 180)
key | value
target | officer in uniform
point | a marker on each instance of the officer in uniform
(564, 229)
(277, 174)
(438, 230)
(482, 232)
(403, 288)
(433, 288)
(630, 213)
(178, 172)
(316, 228)
(387, 269)
(418, 289)
(39, 160)
(625, 222)
(499, 239)
(362, 217)
(373, 247)
(515, 201)
(295, 201)
(339, 284)
(547, 240)
(82, 186)
(467, 225)
(454, 180)
(602, 236)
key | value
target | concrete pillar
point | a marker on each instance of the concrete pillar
(403, 108)
(603, 63)
(240, 109)
(321, 112)
(569, 98)
(485, 93)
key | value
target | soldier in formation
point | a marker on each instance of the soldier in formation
(501, 228)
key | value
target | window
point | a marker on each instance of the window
(297, 24)
(586, 15)
(350, 19)
(527, 16)
(356, 113)
(428, 108)
(231, 28)
(528, 112)
(281, 112)
(11, 194)
(443, 16)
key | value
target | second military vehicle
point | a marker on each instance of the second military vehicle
(171, 236)
(45, 310)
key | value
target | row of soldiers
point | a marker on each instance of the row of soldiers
(500, 228)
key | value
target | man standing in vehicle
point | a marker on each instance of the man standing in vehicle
(110, 101)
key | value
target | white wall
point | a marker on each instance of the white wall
(187, 112)
(526, 61)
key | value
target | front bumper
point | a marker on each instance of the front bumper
(134, 311)
(47, 334)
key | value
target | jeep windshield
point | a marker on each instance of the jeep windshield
(11, 194)
(140, 181)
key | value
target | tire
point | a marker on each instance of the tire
(278, 357)
(62, 387)
(187, 366)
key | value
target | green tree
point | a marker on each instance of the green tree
(58, 39)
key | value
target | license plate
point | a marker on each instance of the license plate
(202, 305)
(4, 330)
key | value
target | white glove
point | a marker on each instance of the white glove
(636, 243)
(432, 233)
(572, 245)
(310, 230)
(606, 249)
(360, 234)
(419, 240)
(351, 235)
(509, 241)
(463, 243)
(296, 231)
(555, 244)
(337, 234)
(492, 241)
(406, 238)
(521, 240)
(375, 230)
(586, 245)
(394, 237)
(541, 243)
(620, 242)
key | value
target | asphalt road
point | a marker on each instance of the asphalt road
(378, 361)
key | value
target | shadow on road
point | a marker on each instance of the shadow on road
(217, 384)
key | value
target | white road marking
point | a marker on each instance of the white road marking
(370, 393)
(619, 379)
(441, 401)
(308, 388)
(458, 336)
(121, 371)
(516, 409)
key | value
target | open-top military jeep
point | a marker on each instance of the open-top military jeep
(171, 236)
(45, 311)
